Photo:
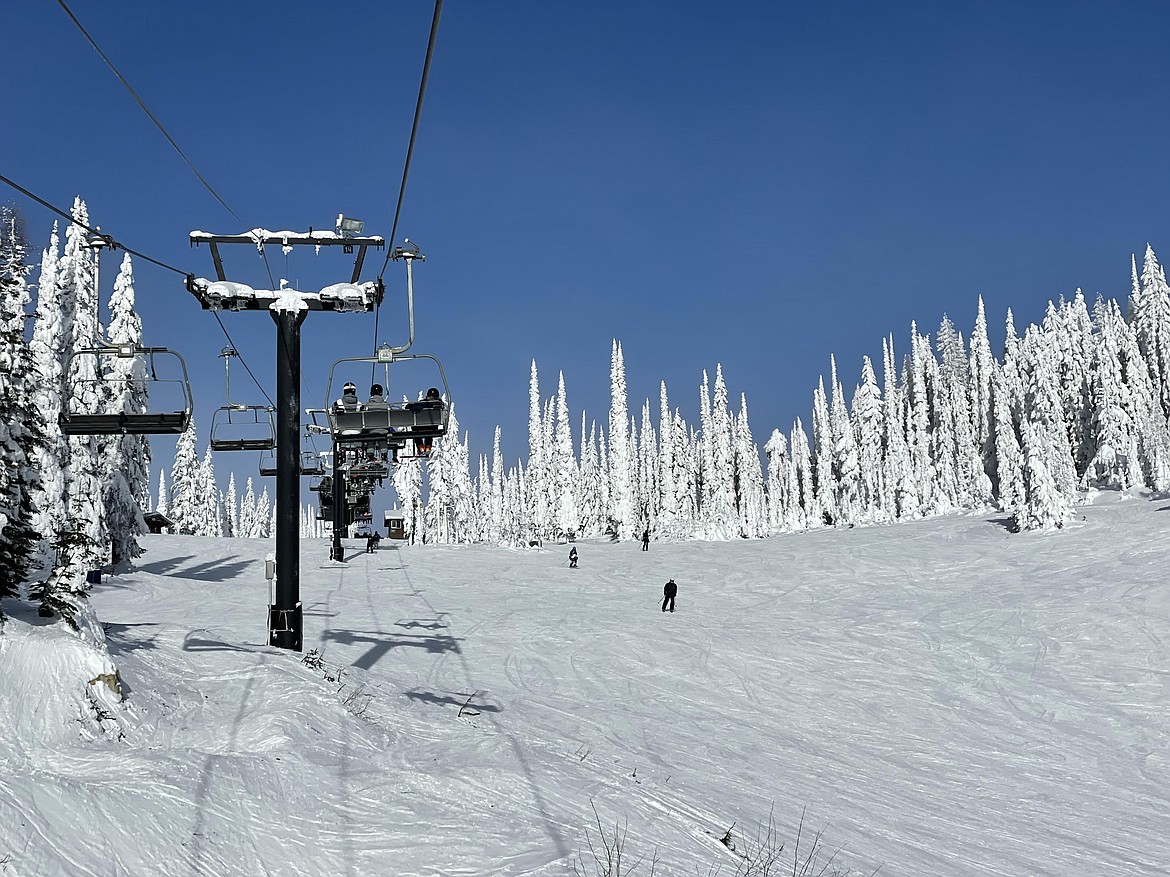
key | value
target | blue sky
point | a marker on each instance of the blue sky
(753, 184)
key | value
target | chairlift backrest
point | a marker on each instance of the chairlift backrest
(89, 389)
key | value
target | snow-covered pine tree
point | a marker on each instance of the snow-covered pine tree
(126, 462)
(78, 295)
(1008, 458)
(667, 499)
(162, 506)
(749, 478)
(1150, 316)
(845, 464)
(867, 428)
(265, 513)
(646, 473)
(776, 451)
(407, 479)
(184, 502)
(979, 370)
(592, 509)
(947, 386)
(21, 434)
(568, 516)
(1043, 408)
(621, 501)
(822, 457)
(537, 482)
(231, 520)
(804, 505)
(50, 333)
(1045, 506)
(899, 489)
(1114, 461)
(916, 376)
(209, 508)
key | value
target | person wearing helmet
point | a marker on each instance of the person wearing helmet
(376, 397)
(349, 398)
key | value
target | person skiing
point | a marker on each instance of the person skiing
(668, 592)
(372, 541)
(646, 539)
(573, 557)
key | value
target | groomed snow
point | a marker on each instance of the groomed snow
(941, 697)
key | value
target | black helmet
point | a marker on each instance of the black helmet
(375, 389)
(350, 387)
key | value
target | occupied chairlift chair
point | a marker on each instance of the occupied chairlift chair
(74, 421)
(237, 426)
(397, 425)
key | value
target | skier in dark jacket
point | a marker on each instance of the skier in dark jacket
(668, 592)
(573, 557)
(646, 539)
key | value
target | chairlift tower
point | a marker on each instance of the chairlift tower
(289, 308)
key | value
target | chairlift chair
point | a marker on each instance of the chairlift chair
(385, 424)
(311, 463)
(165, 421)
(237, 426)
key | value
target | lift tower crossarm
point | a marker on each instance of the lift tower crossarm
(259, 237)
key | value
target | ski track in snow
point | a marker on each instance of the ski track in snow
(942, 697)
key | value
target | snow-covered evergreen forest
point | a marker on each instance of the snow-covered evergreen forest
(1077, 401)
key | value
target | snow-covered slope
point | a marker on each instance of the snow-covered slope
(941, 697)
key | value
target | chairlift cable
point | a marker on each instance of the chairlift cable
(422, 88)
(243, 361)
(146, 109)
(115, 245)
(109, 240)
(160, 127)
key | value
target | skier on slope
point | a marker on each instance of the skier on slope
(573, 557)
(668, 592)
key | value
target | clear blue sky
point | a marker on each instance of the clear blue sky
(756, 184)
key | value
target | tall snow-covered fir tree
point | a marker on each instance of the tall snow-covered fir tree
(568, 518)
(21, 435)
(185, 500)
(126, 464)
(621, 500)
(49, 339)
(83, 391)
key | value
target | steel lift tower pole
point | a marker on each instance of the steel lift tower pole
(288, 307)
(285, 620)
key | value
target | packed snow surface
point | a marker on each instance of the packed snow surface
(940, 697)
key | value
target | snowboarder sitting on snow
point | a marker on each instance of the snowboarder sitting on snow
(573, 558)
(668, 592)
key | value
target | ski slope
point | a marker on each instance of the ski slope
(939, 698)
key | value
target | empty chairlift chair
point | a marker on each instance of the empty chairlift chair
(125, 389)
(240, 427)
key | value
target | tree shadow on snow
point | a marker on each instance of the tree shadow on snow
(1008, 523)
(381, 643)
(123, 639)
(211, 571)
(162, 567)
